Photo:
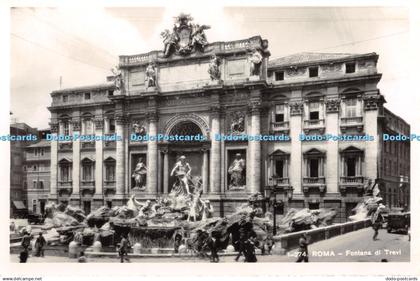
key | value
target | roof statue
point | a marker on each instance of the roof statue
(186, 37)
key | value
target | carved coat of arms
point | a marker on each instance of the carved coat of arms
(185, 37)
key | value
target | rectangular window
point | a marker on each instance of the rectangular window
(314, 115)
(41, 185)
(279, 113)
(87, 96)
(279, 75)
(313, 206)
(36, 152)
(351, 107)
(87, 172)
(66, 128)
(34, 183)
(314, 111)
(350, 67)
(313, 168)
(313, 72)
(65, 173)
(351, 166)
(88, 127)
(65, 98)
(111, 126)
(110, 172)
(34, 205)
(279, 164)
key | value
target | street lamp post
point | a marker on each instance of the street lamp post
(271, 192)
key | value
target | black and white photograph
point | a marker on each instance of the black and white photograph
(210, 134)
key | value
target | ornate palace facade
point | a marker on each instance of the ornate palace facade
(193, 87)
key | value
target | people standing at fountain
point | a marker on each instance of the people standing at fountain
(123, 250)
(303, 248)
(213, 243)
(23, 256)
(245, 229)
(182, 171)
(249, 247)
(39, 245)
(26, 242)
(177, 242)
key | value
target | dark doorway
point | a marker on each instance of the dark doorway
(86, 207)
(42, 206)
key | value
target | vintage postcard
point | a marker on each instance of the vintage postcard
(211, 134)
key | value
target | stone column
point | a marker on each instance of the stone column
(215, 151)
(120, 155)
(54, 163)
(99, 157)
(152, 154)
(204, 170)
(76, 159)
(333, 172)
(254, 150)
(296, 164)
(165, 171)
(372, 106)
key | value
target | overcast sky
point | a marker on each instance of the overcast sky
(82, 45)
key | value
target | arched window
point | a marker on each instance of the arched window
(87, 124)
(64, 125)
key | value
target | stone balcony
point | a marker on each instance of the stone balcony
(314, 183)
(355, 184)
(87, 187)
(109, 185)
(65, 187)
(351, 123)
(280, 127)
(317, 126)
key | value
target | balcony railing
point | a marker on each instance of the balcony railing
(311, 180)
(314, 123)
(352, 180)
(65, 183)
(279, 126)
(351, 120)
(280, 181)
(109, 184)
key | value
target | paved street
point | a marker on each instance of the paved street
(355, 246)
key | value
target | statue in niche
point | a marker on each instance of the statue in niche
(238, 123)
(138, 129)
(182, 171)
(139, 175)
(214, 68)
(170, 41)
(256, 61)
(150, 76)
(236, 172)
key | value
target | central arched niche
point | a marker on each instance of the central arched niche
(186, 128)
